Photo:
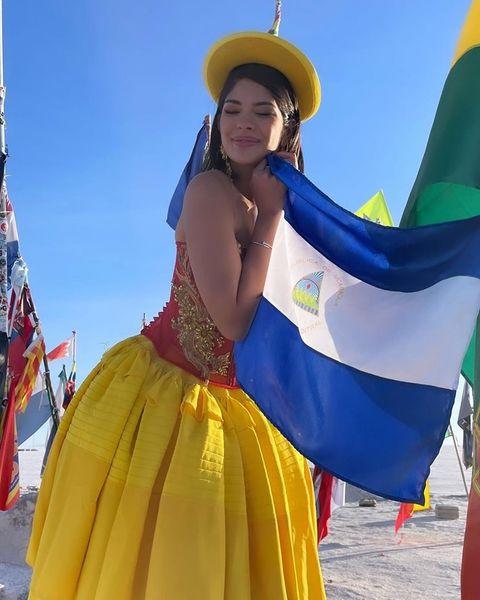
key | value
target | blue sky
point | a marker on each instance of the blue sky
(103, 103)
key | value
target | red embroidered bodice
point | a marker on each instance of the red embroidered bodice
(185, 334)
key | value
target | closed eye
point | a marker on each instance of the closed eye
(236, 112)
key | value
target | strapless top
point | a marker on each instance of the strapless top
(184, 333)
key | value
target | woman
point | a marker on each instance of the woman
(165, 481)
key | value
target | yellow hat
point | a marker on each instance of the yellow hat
(267, 49)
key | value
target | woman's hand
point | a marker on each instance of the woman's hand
(269, 192)
(290, 157)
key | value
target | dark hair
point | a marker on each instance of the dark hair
(280, 88)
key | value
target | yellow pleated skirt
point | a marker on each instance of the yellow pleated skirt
(161, 487)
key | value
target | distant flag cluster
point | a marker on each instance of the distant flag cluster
(9, 466)
(26, 403)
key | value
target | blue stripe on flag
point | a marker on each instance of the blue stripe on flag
(192, 168)
(35, 416)
(379, 434)
(404, 260)
(12, 255)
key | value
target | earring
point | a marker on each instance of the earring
(226, 160)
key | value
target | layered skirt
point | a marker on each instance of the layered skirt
(162, 487)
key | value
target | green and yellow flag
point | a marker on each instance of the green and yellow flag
(376, 210)
(448, 182)
(448, 188)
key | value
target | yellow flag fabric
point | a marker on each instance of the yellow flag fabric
(426, 506)
(376, 210)
(470, 36)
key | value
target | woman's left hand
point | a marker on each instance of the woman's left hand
(290, 157)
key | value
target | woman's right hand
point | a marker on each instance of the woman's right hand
(268, 191)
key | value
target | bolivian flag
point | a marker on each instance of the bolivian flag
(447, 185)
(448, 188)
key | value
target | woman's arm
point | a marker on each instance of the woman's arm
(230, 290)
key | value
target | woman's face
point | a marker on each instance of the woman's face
(251, 124)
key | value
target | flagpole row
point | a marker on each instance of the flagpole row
(458, 458)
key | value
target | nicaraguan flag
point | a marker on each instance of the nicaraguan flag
(356, 347)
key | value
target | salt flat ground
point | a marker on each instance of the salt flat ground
(362, 559)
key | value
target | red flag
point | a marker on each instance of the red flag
(61, 351)
(22, 334)
(323, 483)
(404, 513)
(24, 388)
(406, 510)
(70, 386)
(471, 545)
(9, 471)
(329, 495)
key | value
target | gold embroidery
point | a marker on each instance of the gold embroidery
(197, 333)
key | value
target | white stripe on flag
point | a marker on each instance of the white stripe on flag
(363, 326)
(338, 494)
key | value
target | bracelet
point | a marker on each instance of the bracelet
(262, 243)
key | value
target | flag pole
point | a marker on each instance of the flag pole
(3, 145)
(74, 353)
(46, 368)
(3, 213)
(458, 458)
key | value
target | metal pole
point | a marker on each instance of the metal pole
(3, 145)
(74, 349)
(48, 380)
(3, 208)
(458, 458)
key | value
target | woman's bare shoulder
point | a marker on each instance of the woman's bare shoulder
(208, 203)
(209, 190)
(210, 181)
